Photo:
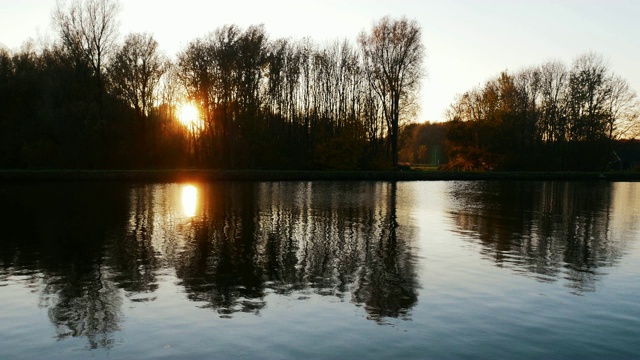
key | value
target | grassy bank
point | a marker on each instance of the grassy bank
(178, 175)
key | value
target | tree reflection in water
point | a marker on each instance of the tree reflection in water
(338, 239)
(292, 237)
(550, 229)
(59, 235)
(88, 248)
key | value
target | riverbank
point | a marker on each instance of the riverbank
(178, 175)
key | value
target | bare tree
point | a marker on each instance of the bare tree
(88, 30)
(553, 84)
(623, 110)
(588, 93)
(195, 70)
(135, 74)
(393, 55)
(170, 90)
(136, 71)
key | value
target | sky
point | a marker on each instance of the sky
(467, 41)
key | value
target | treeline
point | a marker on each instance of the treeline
(294, 103)
(547, 117)
(90, 101)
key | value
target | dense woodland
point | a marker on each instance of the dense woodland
(95, 99)
(88, 100)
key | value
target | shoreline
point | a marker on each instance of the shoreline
(180, 175)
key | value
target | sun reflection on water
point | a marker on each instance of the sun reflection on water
(189, 200)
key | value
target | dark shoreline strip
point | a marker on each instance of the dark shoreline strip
(254, 175)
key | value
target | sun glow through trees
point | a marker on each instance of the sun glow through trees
(189, 115)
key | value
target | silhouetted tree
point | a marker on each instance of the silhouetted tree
(622, 109)
(88, 31)
(393, 56)
(135, 74)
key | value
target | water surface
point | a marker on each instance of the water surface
(447, 270)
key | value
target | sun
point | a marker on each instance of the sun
(188, 114)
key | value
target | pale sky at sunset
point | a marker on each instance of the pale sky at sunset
(467, 41)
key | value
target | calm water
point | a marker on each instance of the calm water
(443, 270)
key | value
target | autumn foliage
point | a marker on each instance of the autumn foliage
(543, 118)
